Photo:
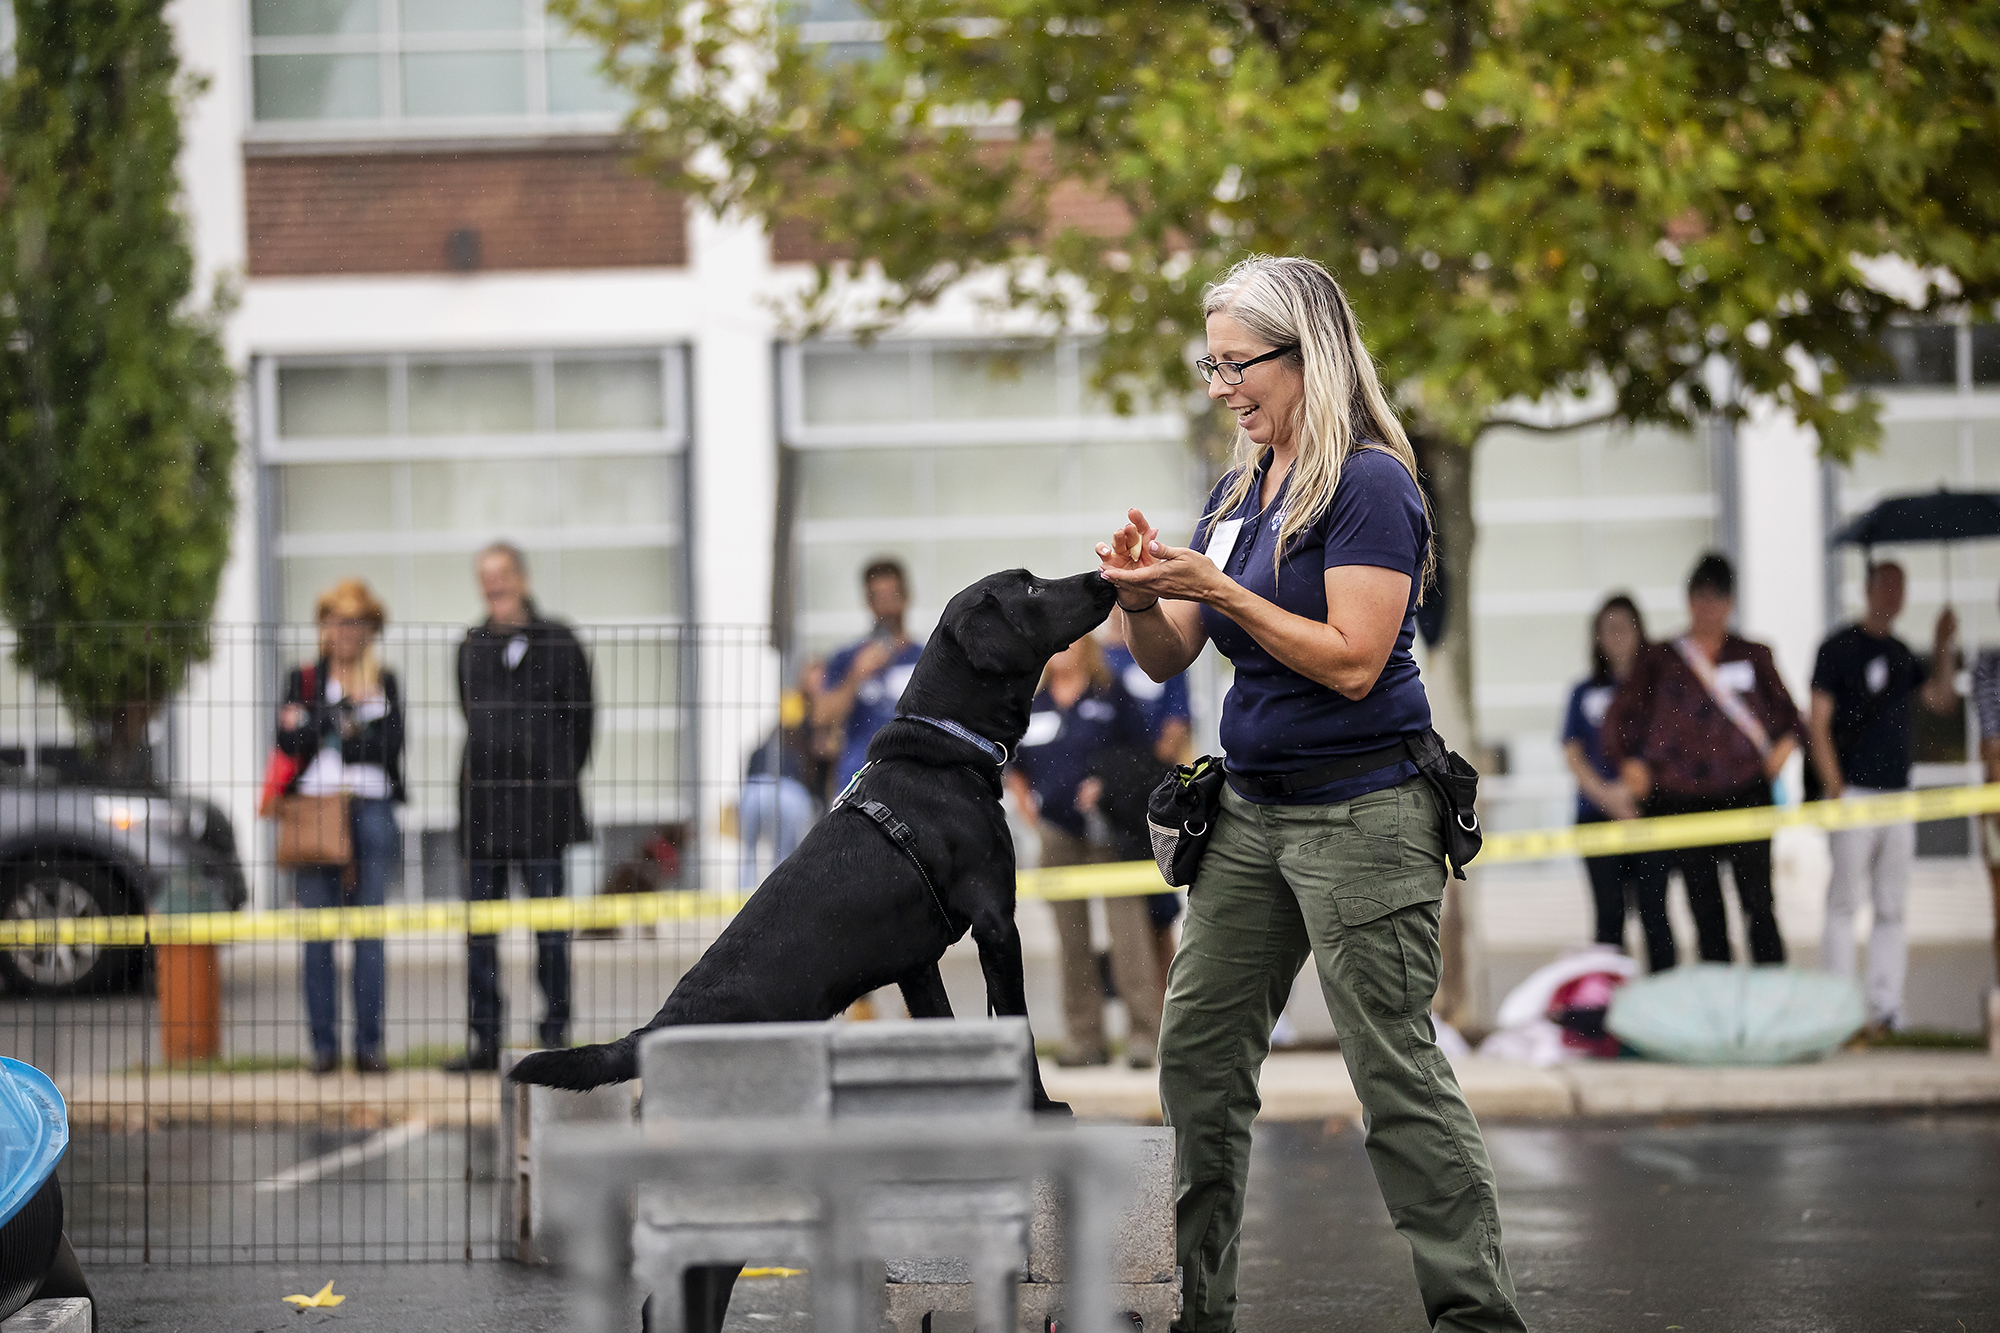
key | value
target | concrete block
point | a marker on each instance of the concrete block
(71, 1315)
(736, 1071)
(932, 1067)
(526, 1115)
(1144, 1247)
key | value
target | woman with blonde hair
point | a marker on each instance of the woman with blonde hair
(1080, 715)
(342, 721)
(1306, 570)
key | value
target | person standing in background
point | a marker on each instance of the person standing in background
(778, 783)
(1986, 702)
(1081, 713)
(1170, 727)
(1618, 884)
(524, 688)
(342, 721)
(1704, 723)
(1859, 727)
(864, 680)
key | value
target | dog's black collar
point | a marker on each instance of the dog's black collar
(993, 750)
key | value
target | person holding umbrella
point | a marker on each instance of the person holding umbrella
(1859, 726)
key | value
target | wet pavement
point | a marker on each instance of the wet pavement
(1781, 1226)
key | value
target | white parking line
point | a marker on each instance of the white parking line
(375, 1145)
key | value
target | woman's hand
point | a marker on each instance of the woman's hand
(1088, 793)
(1637, 779)
(1142, 566)
(291, 717)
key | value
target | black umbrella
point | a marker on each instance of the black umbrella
(1943, 516)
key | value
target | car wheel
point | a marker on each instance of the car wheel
(57, 891)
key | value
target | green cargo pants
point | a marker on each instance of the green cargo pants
(1357, 886)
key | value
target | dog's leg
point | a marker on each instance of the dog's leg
(924, 994)
(1006, 991)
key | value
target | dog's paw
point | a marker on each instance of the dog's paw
(1047, 1107)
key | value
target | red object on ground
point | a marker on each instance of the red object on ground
(190, 991)
(1579, 1007)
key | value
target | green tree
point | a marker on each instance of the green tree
(1647, 210)
(115, 396)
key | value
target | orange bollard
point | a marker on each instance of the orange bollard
(190, 987)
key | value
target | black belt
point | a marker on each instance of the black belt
(1333, 770)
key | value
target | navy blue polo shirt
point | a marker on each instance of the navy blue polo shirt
(1274, 720)
(1583, 722)
(1160, 702)
(1056, 751)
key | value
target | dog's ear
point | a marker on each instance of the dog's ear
(992, 642)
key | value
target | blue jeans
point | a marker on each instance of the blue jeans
(378, 847)
(486, 880)
(779, 807)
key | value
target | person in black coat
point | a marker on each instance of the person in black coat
(524, 688)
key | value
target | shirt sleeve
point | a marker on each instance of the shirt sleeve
(839, 665)
(1377, 516)
(1623, 731)
(1781, 713)
(1986, 693)
(1824, 670)
(1575, 728)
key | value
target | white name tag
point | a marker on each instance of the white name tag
(1222, 539)
(1736, 677)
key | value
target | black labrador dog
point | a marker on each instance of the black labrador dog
(854, 908)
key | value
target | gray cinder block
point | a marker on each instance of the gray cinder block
(736, 1071)
(1144, 1251)
(932, 1067)
(70, 1315)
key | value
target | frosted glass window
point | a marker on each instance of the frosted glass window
(856, 483)
(465, 83)
(1986, 354)
(333, 401)
(461, 15)
(482, 495)
(471, 398)
(1021, 480)
(1651, 462)
(576, 86)
(617, 492)
(1921, 354)
(306, 577)
(608, 395)
(1531, 556)
(843, 387)
(317, 87)
(312, 18)
(343, 497)
(979, 383)
(601, 584)
(1117, 477)
(1523, 466)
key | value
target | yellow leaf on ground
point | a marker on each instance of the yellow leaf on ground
(771, 1272)
(324, 1296)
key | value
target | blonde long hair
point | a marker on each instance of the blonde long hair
(1295, 302)
(351, 599)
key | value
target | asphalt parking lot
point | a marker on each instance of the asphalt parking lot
(1797, 1225)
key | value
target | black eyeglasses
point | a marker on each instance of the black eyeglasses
(1232, 371)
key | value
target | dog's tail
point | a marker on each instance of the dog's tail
(581, 1068)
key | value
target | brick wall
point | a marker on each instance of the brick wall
(446, 211)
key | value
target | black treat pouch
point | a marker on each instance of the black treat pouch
(1180, 816)
(1457, 786)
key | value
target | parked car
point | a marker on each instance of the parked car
(74, 849)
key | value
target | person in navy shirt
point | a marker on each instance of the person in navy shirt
(1305, 571)
(1079, 716)
(1617, 637)
(864, 680)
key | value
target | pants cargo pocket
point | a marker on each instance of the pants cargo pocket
(1388, 955)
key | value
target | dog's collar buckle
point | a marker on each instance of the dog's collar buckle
(993, 750)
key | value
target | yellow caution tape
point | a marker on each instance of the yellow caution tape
(1117, 880)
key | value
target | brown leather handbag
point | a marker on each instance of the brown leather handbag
(314, 831)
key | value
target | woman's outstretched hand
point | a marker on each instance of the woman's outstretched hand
(1144, 568)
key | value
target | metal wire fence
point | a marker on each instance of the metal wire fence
(202, 1132)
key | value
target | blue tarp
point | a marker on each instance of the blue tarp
(34, 1132)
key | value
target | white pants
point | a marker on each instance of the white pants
(1871, 862)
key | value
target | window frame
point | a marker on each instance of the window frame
(535, 39)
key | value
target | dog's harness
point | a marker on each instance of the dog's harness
(894, 829)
